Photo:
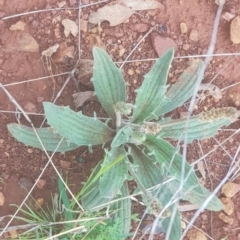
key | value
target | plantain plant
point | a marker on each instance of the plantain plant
(135, 140)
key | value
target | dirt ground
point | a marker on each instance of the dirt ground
(18, 64)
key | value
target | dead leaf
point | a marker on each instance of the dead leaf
(194, 234)
(114, 14)
(63, 53)
(95, 40)
(70, 27)
(229, 189)
(201, 169)
(85, 67)
(2, 199)
(13, 234)
(41, 183)
(225, 218)
(38, 204)
(18, 26)
(29, 107)
(22, 42)
(49, 52)
(81, 97)
(64, 164)
(138, 5)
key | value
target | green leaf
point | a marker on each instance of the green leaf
(121, 137)
(91, 196)
(169, 159)
(122, 209)
(150, 175)
(108, 82)
(195, 128)
(76, 127)
(48, 136)
(153, 88)
(182, 90)
(112, 180)
(64, 199)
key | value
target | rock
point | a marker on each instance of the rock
(114, 32)
(193, 35)
(228, 204)
(2, 199)
(225, 218)
(29, 107)
(186, 46)
(228, 16)
(194, 234)
(57, 32)
(21, 42)
(70, 27)
(41, 183)
(13, 234)
(229, 189)
(235, 30)
(234, 95)
(72, 2)
(121, 52)
(35, 23)
(40, 99)
(63, 53)
(64, 164)
(139, 27)
(130, 72)
(18, 26)
(38, 204)
(2, 14)
(162, 44)
(25, 183)
(183, 27)
(83, 25)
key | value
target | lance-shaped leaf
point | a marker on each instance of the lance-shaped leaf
(153, 89)
(91, 197)
(113, 178)
(121, 137)
(108, 82)
(195, 128)
(122, 210)
(76, 127)
(182, 90)
(169, 159)
(150, 175)
(50, 139)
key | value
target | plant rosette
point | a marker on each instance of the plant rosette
(137, 139)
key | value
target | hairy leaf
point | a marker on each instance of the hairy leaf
(76, 127)
(169, 159)
(112, 180)
(121, 137)
(108, 82)
(150, 175)
(91, 196)
(182, 90)
(64, 199)
(48, 136)
(151, 94)
(122, 210)
(194, 128)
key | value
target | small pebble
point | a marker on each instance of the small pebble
(130, 72)
(193, 35)
(183, 27)
(25, 182)
(185, 46)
